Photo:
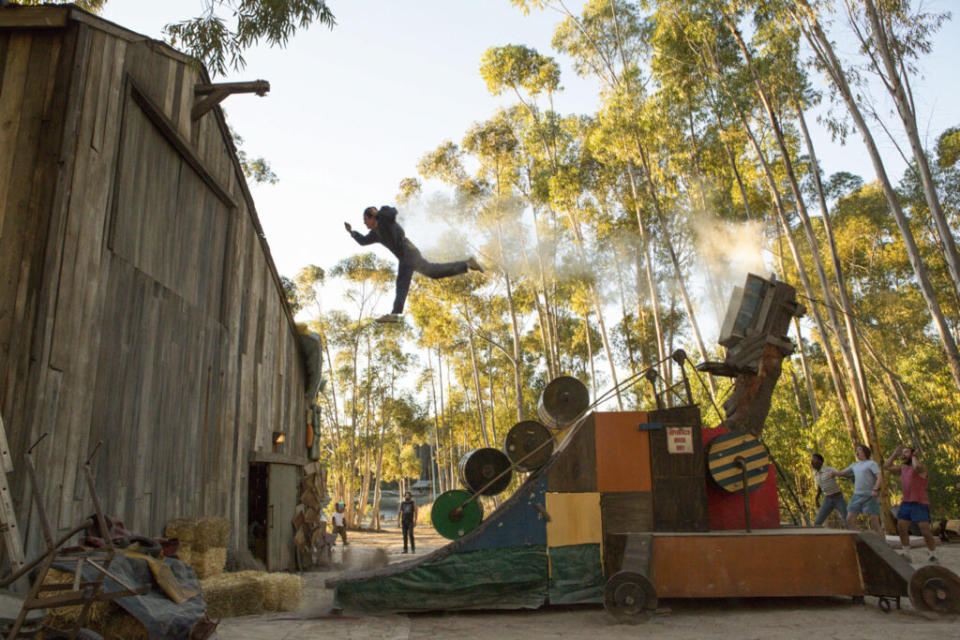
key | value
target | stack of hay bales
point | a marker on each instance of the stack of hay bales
(244, 593)
(106, 618)
(203, 543)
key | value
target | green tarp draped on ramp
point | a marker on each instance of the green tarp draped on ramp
(576, 574)
(504, 578)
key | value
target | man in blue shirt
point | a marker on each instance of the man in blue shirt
(384, 229)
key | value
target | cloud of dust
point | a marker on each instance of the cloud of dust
(727, 252)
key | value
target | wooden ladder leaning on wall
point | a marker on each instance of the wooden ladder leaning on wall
(8, 517)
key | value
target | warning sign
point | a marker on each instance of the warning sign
(680, 439)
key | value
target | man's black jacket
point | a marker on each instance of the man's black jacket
(389, 234)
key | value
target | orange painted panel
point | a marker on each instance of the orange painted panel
(756, 565)
(623, 452)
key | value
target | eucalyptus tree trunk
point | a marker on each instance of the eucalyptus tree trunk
(845, 304)
(436, 423)
(864, 417)
(807, 374)
(547, 326)
(648, 272)
(493, 404)
(731, 160)
(476, 386)
(598, 309)
(517, 381)
(678, 272)
(823, 48)
(627, 337)
(805, 280)
(897, 84)
(796, 395)
(593, 372)
(375, 516)
(606, 344)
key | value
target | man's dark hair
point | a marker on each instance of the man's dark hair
(369, 212)
(866, 450)
(818, 457)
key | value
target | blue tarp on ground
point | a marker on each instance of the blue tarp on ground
(163, 619)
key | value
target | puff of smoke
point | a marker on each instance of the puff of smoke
(727, 251)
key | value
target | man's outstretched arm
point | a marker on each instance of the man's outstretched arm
(361, 239)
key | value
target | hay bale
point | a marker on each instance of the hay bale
(211, 533)
(209, 562)
(233, 594)
(200, 533)
(65, 616)
(181, 528)
(120, 625)
(185, 554)
(106, 618)
(281, 591)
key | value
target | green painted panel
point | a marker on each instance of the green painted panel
(505, 578)
(576, 574)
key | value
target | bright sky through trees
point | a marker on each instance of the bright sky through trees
(352, 110)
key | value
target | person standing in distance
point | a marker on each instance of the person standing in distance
(339, 523)
(384, 229)
(407, 520)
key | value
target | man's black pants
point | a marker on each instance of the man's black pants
(416, 262)
(408, 531)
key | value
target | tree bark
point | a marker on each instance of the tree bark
(476, 386)
(807, 20)
(804, 279)
(898, 85)
(864, 418)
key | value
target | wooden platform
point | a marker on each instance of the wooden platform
(764, 563)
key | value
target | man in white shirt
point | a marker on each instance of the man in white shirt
(827, 486)
(866, 487)
(339, 522)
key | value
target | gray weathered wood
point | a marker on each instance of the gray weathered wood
(147, 308)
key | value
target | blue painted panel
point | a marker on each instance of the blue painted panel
(517, 522)
(649, 426)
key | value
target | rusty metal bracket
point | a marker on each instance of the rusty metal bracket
(543, 511)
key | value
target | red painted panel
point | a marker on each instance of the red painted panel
(725, 509)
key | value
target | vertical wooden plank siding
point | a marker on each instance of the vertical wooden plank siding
(140, 307)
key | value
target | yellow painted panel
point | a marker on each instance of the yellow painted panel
(574, 519)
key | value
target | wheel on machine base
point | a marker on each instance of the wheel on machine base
(935, 589)
(629, 597)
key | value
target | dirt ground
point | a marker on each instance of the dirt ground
(781, 618)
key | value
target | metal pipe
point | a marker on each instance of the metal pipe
(741, 462)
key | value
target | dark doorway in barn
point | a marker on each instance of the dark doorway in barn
(271, 506)
(257, 507)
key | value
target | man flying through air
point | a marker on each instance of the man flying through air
(384, 229)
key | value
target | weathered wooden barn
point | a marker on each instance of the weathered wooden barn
(139, 303)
